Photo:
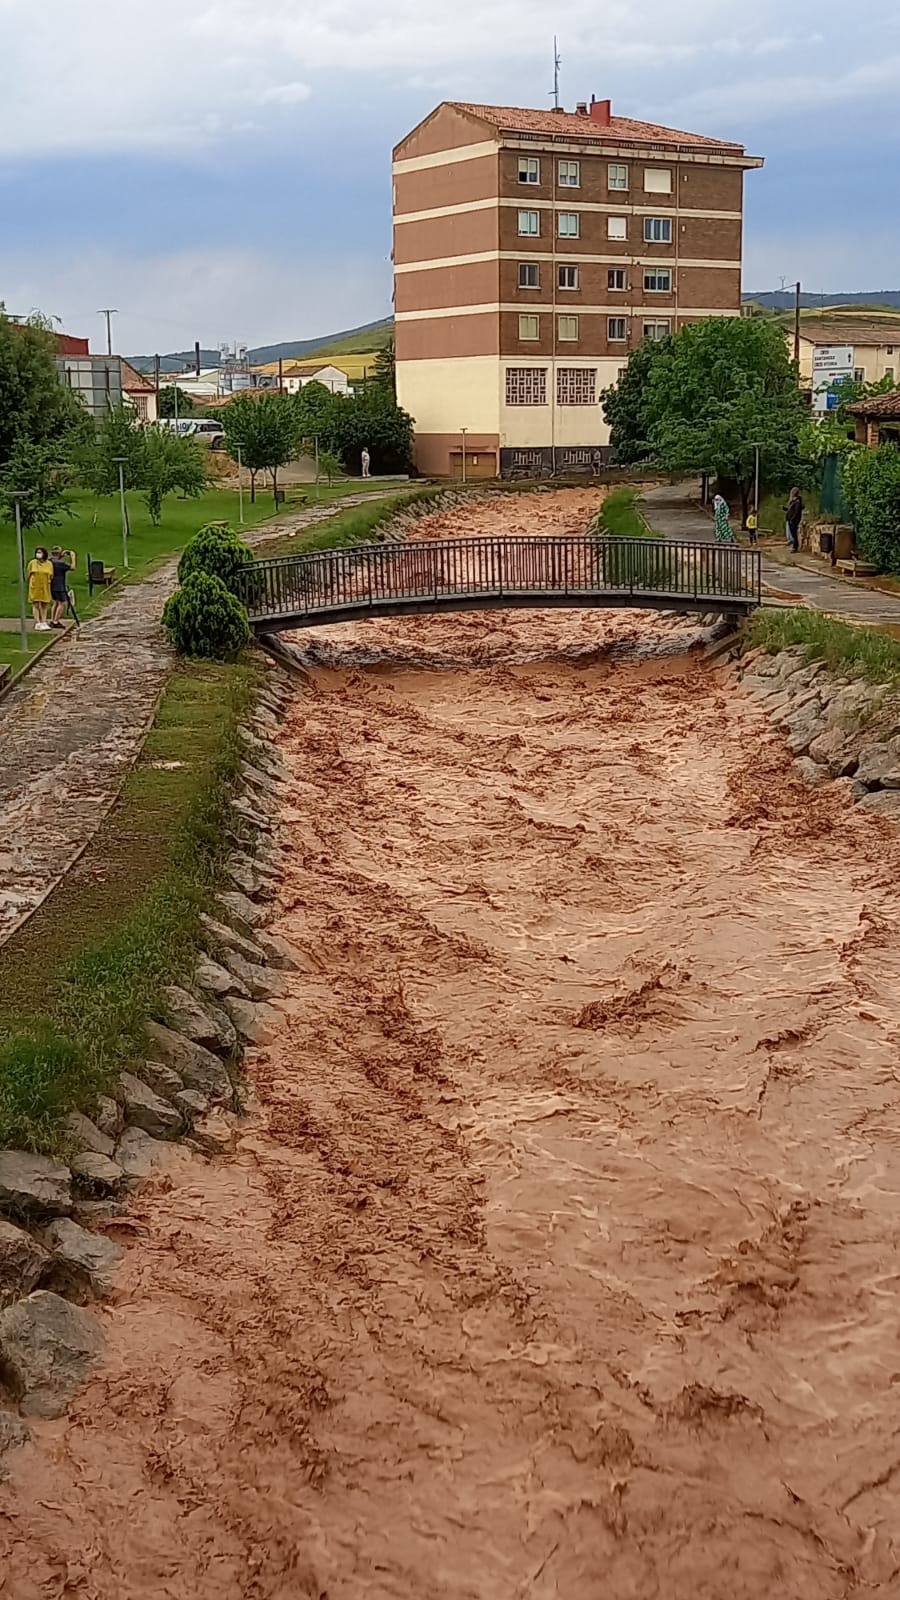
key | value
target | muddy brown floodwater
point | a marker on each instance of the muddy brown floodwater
(561, 1255)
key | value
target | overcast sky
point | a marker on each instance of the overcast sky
(220, 169)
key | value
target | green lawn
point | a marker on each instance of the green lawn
(11, 655)
(95, 528)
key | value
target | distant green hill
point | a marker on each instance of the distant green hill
(371, 336)
(783, 300)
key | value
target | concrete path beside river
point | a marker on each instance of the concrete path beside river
(672, 510)
(72, 727)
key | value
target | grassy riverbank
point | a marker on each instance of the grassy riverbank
(860, 652)
(353, 526)
(79, 979)
(619, 516)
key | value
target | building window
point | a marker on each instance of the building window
(859, 374)
(658, 280)
(568, 224)
(567, 277)
(529, 275)
(889, 373)
(567, 327)
(569, 174)
(526, 386)
(576, 386)
(529, 326)
(654, 331)
(529, 223)
(620, 374)
(657, 180)
(657, 230)
(616, 329)
(617, 177)
(617, 227)
(529, 170)
(616, 278)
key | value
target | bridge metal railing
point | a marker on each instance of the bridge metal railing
(374, 577)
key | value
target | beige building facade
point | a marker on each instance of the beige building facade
(533, 250)
(875, 346)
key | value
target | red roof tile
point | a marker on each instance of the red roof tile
(575, 125)
(886, 406)
(134, 382)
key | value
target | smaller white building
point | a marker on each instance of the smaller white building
(297, 374)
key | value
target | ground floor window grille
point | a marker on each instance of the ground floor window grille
(576, 386)
(526, 386)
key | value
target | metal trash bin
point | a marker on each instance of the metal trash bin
(826, 543)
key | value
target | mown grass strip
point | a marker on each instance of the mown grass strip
(79, 979)
(858, 652)
(353, 526)
(620, 518)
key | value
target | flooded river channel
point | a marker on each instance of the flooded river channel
(560, 1257)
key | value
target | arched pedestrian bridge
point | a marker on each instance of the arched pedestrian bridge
(398, 579)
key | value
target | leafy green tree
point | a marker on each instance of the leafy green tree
(118, 435)
(216, 549)
(871, 488)
(204, 619)
(43, 424)
(718, 389)
(625, 405)
(384, 375)
(167, 398)
(169, 462)
(375, 420)
(329, 465)
(267, 429)
(849, 390)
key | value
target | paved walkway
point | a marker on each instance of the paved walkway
(673, 511)
(72, 728)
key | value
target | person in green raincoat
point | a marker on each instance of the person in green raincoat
(724, 530)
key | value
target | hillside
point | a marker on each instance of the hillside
(872, 300)
(370, 337)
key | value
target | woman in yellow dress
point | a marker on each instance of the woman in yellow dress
(40, 574)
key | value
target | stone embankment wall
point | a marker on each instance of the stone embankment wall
(56, 1261)
(837, 727)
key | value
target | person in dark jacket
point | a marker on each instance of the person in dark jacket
(63, 563)
(793, 516)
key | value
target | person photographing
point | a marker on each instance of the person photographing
(63, 562)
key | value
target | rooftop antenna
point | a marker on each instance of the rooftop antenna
(556, 64)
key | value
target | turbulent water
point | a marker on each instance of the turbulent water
(560, 1254)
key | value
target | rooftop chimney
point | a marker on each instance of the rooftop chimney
(601, 111)
(581, 108)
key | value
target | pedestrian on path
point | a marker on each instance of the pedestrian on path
(793, 516)
(59, 586)
(753, 527)
(724, 530)
(40, 575)
(366, 462)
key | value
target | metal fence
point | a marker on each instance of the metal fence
(382, 577)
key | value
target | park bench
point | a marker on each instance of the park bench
(857, 569)
(99, 576)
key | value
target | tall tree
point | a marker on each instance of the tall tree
(168, 397)
(169, 462)
(718, 390)
(375, 421)
(42, 423)
(267, 430)
(384, 374)
(625, 405)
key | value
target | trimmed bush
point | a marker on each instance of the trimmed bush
(205, 621)
(217, 550)
(871, 486)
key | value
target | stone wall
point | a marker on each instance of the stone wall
(839, 729)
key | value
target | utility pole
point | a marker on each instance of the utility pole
(556, 66)
(108, 312)
(156, 381)
(797, 324)
(23, 622)
(280, 375)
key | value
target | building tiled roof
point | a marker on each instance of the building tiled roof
(575, 125)
(134, 382)
(843, 331)
(885, 406)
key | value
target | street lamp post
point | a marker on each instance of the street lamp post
(120, 463)
(20, 543)
(239, 448)
(463, 431)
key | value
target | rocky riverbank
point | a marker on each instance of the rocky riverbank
(838, 728)
(63, 1224)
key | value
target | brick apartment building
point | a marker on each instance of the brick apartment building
(532, 251)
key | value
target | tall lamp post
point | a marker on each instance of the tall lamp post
(756, 488)
(20, 543)
(120, 463)
(463, 431)
(239, 448)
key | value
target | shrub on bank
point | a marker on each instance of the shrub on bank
(205, 621)
(217, 550)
